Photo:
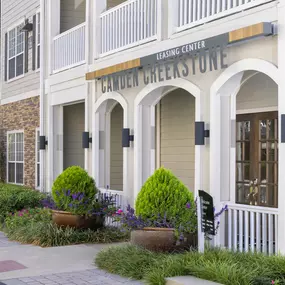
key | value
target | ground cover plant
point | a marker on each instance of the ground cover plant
(35, 226)
(216, 265)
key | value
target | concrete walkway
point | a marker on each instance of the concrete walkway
(32, 265)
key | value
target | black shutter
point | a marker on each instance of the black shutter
(26, 49)
(6, 58)
(34, 42)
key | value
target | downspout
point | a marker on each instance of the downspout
(42, 92)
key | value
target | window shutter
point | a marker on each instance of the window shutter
(6, 57)
(26, 50)
(34, 42)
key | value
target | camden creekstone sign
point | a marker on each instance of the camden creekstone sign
(189, 59)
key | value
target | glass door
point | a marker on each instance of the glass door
(257, 159)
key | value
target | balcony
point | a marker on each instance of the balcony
(69, 48)
(190, 13)
(129, 24)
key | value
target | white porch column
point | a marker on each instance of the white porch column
(281, 110)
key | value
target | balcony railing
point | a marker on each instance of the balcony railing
(69, 48)
(127, 25)
(191, 13)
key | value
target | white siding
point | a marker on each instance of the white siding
(116, 171)
(177, 125)
(14, 11)
(73, 122)
(72, 14)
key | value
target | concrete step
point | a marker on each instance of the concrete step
(188, 280)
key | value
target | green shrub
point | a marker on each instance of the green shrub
(14, 198)
(74, 190)
(164, 195)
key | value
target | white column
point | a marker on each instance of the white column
(98, 8)
(281, 110)
(172, 16)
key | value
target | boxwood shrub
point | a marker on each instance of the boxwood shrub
(74, 190)
(165, 195)
(15, 198)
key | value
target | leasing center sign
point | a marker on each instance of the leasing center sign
(193, 58)
(189, 59)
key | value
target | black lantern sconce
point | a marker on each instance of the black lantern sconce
(126, 138)
(86, 140)
(43, 142)
(28, 27)
(201, 133)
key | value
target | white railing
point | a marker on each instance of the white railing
(190, 13)
(129, 24)
(69, 48)
(120, 201)
(251, 228)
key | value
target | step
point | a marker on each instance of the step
(188, 280)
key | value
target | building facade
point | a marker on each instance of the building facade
(126, 87)
(19, 99)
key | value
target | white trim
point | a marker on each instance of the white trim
(20, 97)
(7, 156)
(156, 92)
(158, 127)
(257, 110)
(37, 69)
(100, 120)
(38, 187)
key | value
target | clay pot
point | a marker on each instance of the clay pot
(162, 240)
(67, 219)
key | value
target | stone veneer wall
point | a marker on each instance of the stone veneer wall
(23, 115)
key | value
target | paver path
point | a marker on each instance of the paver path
(33, 265)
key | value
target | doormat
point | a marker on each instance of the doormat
(10, 265)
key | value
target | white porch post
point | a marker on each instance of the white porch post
(281, 110)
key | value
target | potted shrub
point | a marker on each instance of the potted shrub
(165, 214)
(74, 193)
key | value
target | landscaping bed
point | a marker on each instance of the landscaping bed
(214, 265)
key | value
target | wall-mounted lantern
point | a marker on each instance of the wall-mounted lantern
(28, 27)
(86, 140)
(126, 138)
(201, 133)
(43, 142)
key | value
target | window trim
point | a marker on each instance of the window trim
(14, 26)
(37, 187)
(7, 156)
(37, 69)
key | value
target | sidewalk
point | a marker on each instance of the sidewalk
(32, 265)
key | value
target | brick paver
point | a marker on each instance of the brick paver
(86, 277)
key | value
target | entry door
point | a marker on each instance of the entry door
(257, 159)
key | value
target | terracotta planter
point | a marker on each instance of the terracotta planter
(162, 240)
(67, 219)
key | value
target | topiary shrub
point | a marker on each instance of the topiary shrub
(166, 196)
(74, 191)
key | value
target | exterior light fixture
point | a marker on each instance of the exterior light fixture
(126, 138)
(86, 140)
(201, 133)
(43, 142)
(28, 27)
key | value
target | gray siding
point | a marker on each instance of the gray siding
(14, 11)
(113, 3)
(177, 145)
(116, 171)
(72, 14)
(251, 97)
(73, 126)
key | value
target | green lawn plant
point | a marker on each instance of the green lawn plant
(221, 266)
(74, 191)
(164, 195)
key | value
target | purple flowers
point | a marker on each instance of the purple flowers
(188, 205)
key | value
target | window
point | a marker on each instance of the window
(16, 48)
(15, 157)
(38, 159)
(38, 39)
